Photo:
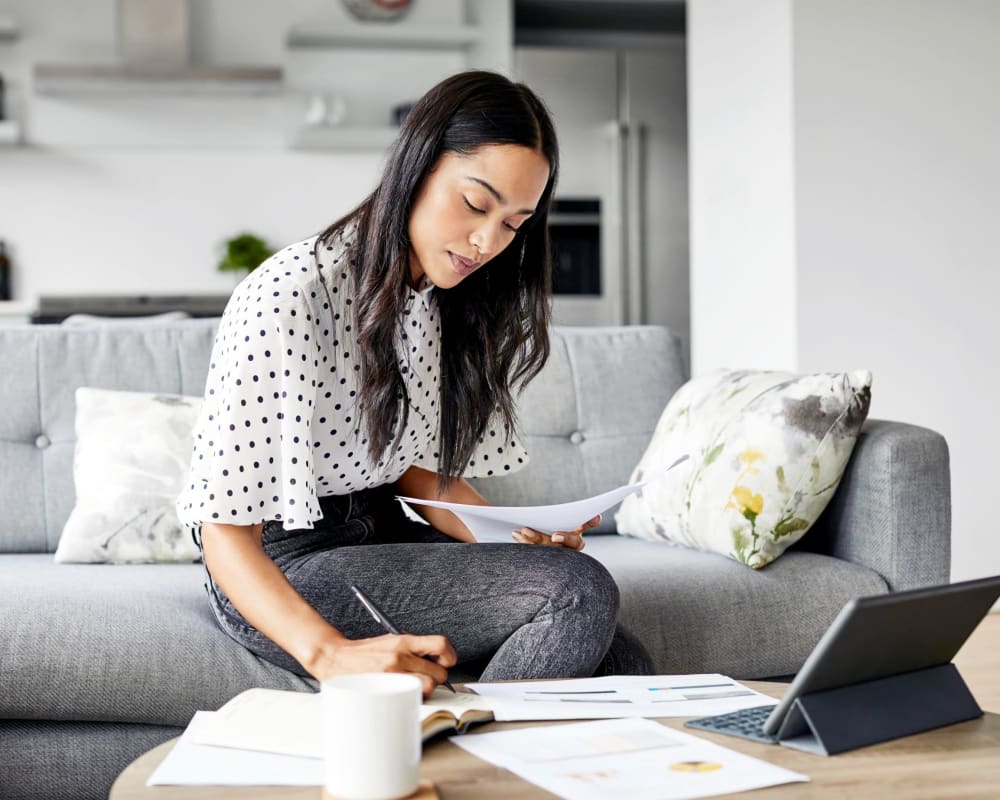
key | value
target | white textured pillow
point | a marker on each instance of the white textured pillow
(767, 451)
(133, 451)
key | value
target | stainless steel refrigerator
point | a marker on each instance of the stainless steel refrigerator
(621, 117)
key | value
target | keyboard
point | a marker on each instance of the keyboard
(747, 724)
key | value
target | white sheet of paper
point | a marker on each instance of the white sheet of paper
(634, 758)
(191, 764)
(487, 522)
(268, 720)
(496, 523)
(614, 696)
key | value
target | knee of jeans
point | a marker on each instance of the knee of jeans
(592, 587)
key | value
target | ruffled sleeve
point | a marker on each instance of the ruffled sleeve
(252, 458)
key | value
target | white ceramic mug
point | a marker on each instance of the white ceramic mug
(371, 733)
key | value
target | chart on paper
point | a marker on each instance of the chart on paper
(634, 758)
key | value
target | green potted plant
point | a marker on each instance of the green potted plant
(244, 252)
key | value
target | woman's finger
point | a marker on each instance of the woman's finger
(416, 665)
(528, 536)
(568, 539)
(571, 540)
(435, 647)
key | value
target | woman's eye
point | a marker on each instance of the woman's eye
(477, 210)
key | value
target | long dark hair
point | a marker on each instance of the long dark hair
(495, 323)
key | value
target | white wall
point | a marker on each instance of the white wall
(136, 194)
(740, 139)
(898, 184)
(119, 222)
(892, 153)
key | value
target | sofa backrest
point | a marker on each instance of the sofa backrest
(42, 367)
(585, 420)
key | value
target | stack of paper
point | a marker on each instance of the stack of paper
(191, 764)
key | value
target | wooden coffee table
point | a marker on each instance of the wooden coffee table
(960, 760)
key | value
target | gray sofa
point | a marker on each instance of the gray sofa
(98, 663)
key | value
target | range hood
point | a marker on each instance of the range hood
(155, 57)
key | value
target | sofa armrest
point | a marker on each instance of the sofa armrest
(892, 510)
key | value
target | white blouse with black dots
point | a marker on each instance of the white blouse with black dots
(280, 425)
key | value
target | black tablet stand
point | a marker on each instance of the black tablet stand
(836, 720)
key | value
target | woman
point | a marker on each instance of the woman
(378, 359)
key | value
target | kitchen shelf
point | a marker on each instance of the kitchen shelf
(10, 132)
(71, 79)
(346, 137)
(383, 36)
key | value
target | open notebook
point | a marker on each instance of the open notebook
(290, 723)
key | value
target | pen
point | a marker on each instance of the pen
(383, 620)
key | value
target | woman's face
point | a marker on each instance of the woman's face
(469, 208)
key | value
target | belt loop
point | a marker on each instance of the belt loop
(350, 506)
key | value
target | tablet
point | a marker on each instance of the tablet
(871, 638)
(888, 634)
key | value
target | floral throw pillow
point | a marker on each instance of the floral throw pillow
(132, 454)
(766, 452)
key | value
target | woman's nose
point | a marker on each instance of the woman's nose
(483, 240)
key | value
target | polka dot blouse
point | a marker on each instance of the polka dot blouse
(280, 426)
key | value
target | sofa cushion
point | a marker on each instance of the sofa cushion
(43, 365)
(133, 450)
(766, 453)
(138, 643)
(117, 643)
(71, 760)
(703, 612)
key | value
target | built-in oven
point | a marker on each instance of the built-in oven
(575, 232)
(585, 279)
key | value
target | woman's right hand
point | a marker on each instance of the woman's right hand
(262, 594)
(427, 657)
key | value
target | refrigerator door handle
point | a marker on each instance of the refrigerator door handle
(621, 201)
(635, 149)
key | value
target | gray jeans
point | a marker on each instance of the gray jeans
(511, 611)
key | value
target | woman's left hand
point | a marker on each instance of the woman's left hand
(572, 539)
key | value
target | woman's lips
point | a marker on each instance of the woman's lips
(463, 266)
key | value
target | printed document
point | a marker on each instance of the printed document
(634, 758)
(496, 523)
(619, 696)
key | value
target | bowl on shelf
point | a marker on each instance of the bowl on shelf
(377, 10)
